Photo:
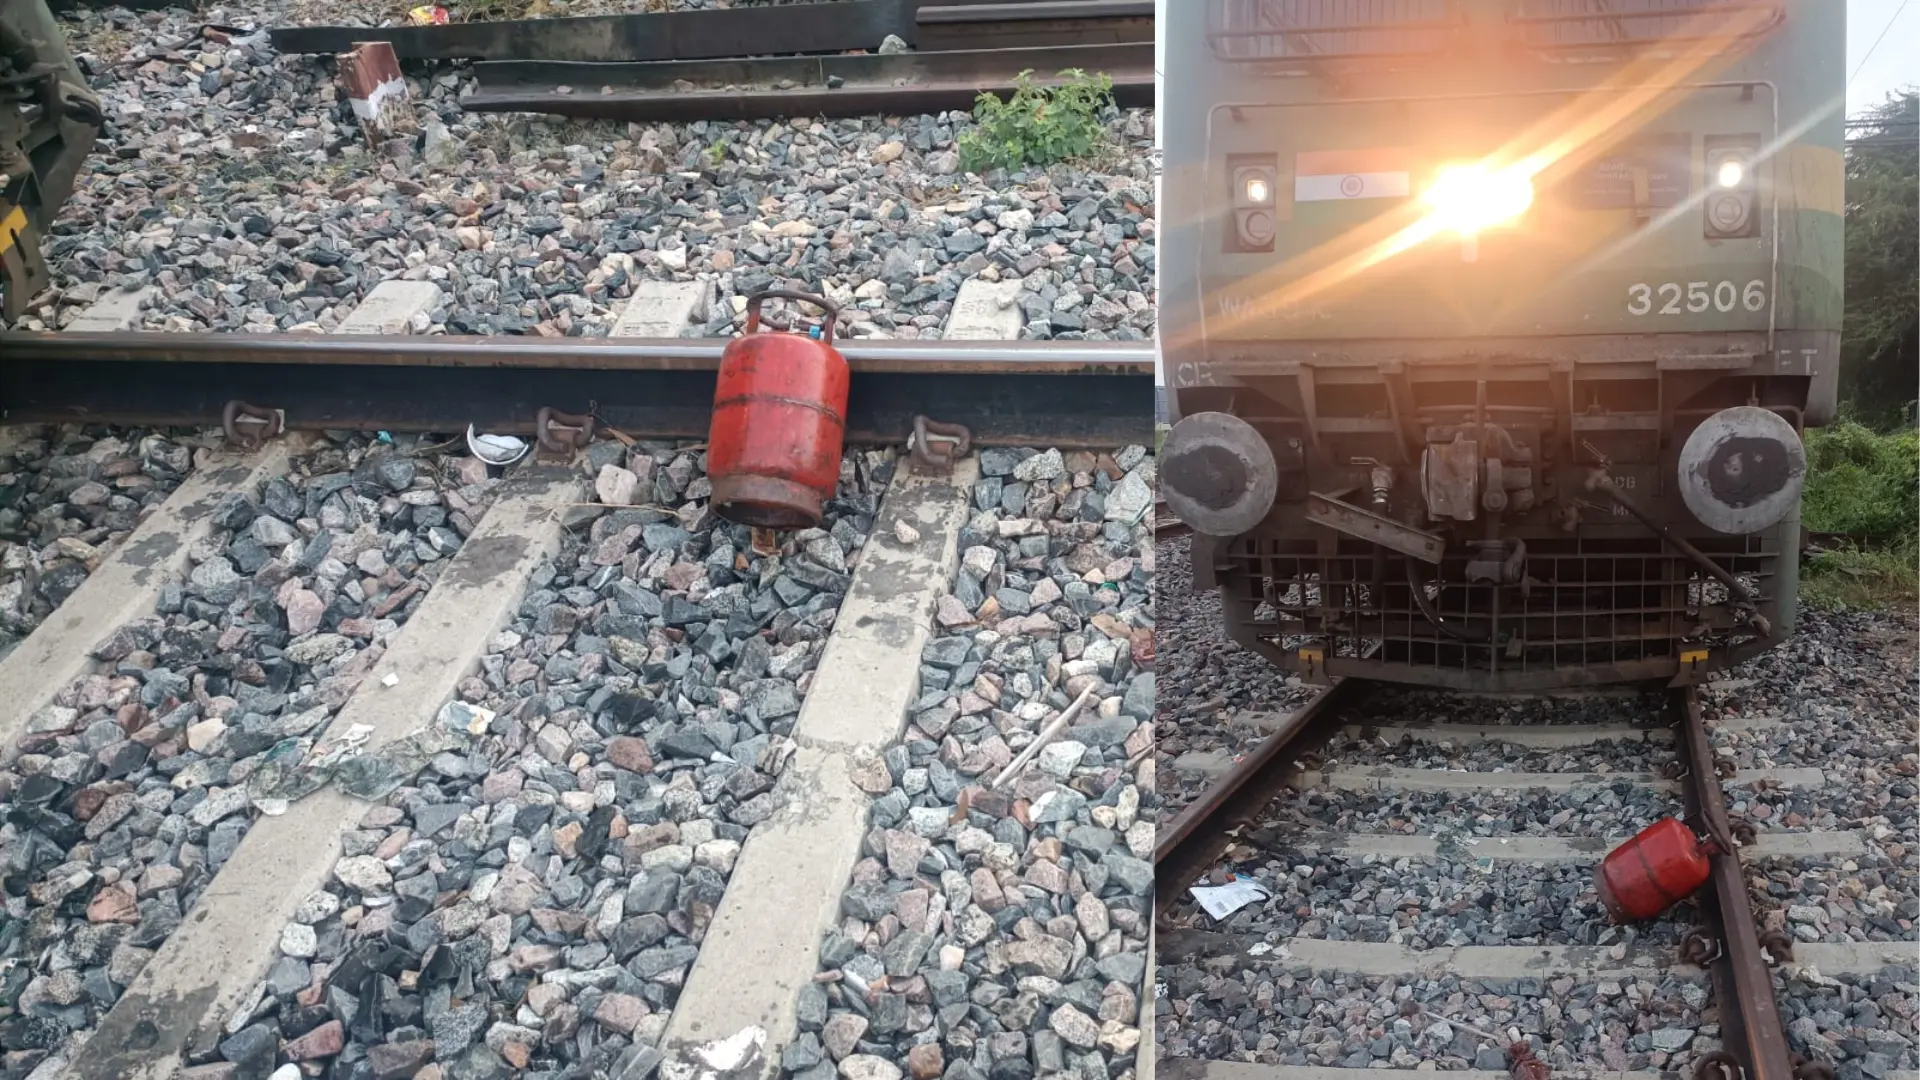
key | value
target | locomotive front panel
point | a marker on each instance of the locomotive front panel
(1491, 327)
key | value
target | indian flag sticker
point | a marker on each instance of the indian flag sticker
(1324, 175)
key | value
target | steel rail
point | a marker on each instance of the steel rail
(782, 86)
(782, 30)
(1033, 23)
(1742, 981)
(1167, 525)
(674, 35)
(1184, 847)
(1069, 394)
(649, 354)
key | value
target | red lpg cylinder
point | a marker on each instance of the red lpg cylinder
(779, 418)
(1655, 870)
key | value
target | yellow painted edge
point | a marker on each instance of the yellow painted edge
(1812, 178)
(1693, 656)
(12, 224)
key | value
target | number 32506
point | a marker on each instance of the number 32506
(1671, 298)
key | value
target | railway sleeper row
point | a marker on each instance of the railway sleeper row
(1233, 816)
(208, 978)
(281, 945)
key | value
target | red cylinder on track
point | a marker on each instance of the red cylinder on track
(1663, 865)
(779, 422)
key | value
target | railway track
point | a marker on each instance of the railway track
(791, 60)
(357, 753)
(353, 756)
(1166, 526)
(1298, 812)
(1007, 393)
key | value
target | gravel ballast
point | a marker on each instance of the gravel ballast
(68, 497)
(134, 785)
(531, 902)
(235, 182)
(1000, 932)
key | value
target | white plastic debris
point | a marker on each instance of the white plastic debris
(390, 680)
(1220, 901)
(733, 1051)
(718, 1059)
(496, 449)
(461, 716)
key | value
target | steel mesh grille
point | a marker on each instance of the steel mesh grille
(1328, 29)
(1561, 24)
(1588, 602)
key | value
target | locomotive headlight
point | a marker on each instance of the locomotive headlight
(1253, 186)
(1469, 198)
(1254, 179)
(1732, 195)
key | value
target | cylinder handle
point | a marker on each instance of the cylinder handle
(832, 309)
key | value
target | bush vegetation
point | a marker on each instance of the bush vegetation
(1866, 485)
(1038, 125)
(1864, 474)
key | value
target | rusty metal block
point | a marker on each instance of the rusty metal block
(370, 74)
(1450, 479)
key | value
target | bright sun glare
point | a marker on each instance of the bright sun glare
(1468, 198)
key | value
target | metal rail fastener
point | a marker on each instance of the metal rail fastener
(957, 442)
(248, 427)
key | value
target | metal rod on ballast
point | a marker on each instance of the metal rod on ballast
(1046, 736)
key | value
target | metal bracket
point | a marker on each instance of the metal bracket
(1313, 664)
(1807, 1069)
(562, 434)
(1366, 525)
(248, 427)
(1718, 1065)
(1777, 945)
(22, 265)
(1523, 1065)
(1699, 948)
(927, 459)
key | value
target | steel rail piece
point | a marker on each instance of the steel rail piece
(1185, 847)
(1167, 525)
(1070, 394)
(1729, 944)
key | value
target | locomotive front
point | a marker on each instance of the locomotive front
(1491, 327)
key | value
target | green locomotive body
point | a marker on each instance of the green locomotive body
(48, 121)
(1491, 326)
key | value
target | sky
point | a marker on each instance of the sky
(1895, 63)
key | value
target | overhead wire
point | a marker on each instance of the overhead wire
(1861, 66)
